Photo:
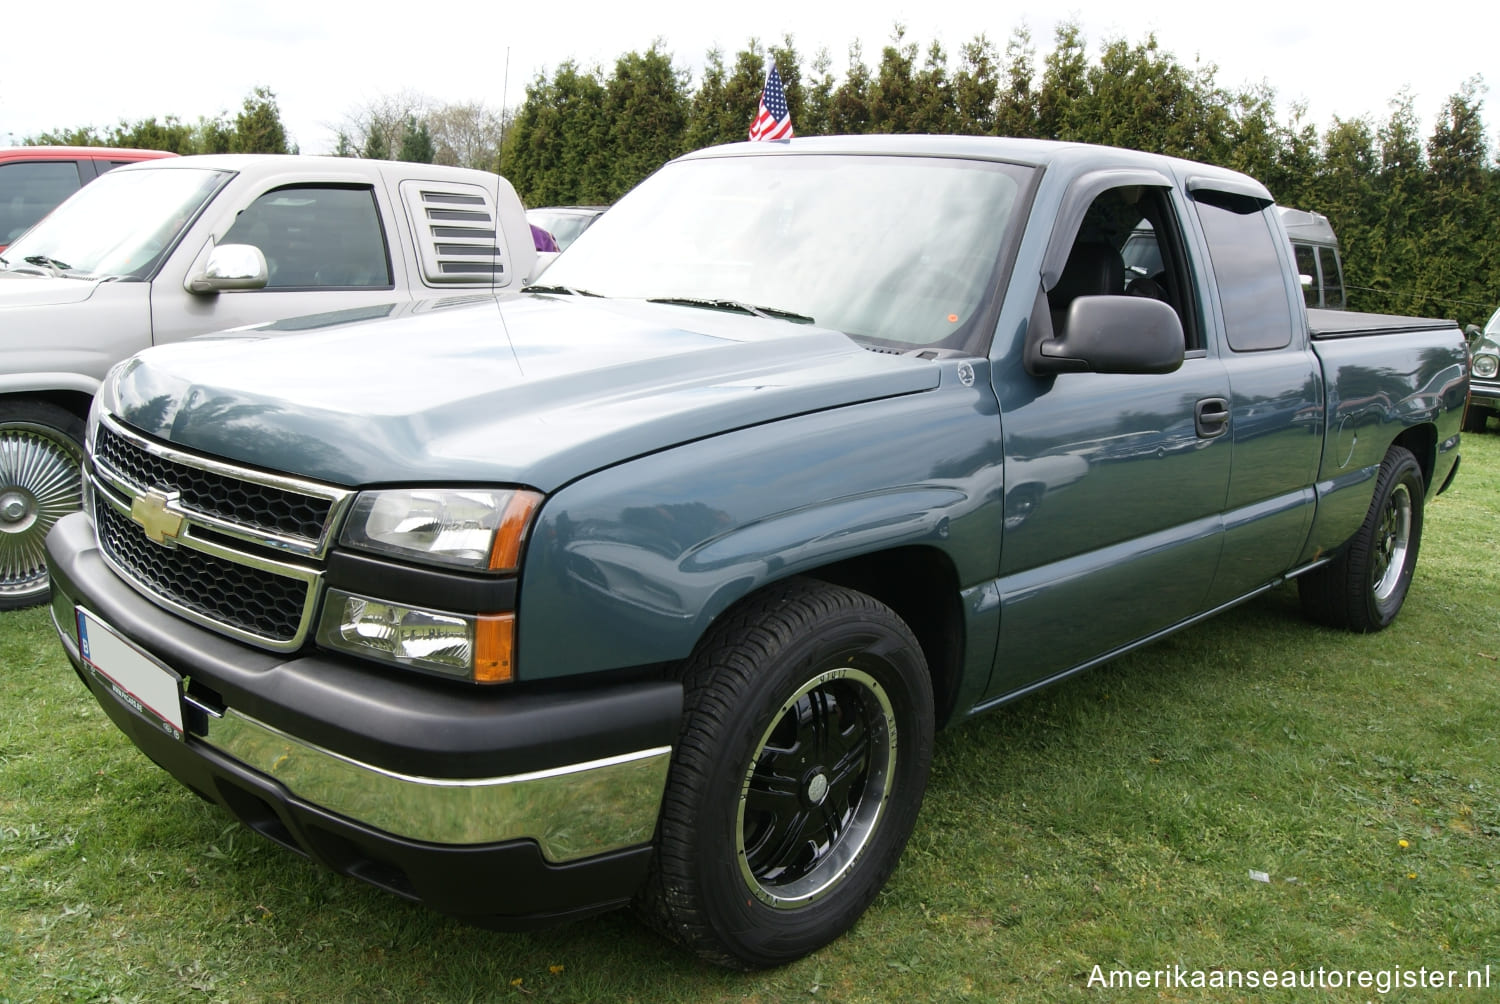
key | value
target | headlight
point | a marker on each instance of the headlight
(1485, 366)
(471, 646)
(468, 528)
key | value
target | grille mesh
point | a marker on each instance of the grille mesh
(246, 503)
(250, 599)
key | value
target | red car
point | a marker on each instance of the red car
(34, 179)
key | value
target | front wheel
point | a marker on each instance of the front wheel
(41, 457)
(1363, 588)
(1477, 418)
(797, 776)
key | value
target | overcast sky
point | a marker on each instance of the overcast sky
(93, 63)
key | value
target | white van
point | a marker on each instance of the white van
(1317, 253)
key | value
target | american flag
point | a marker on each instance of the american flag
(774, 121)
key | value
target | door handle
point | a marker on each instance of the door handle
(1211, 417)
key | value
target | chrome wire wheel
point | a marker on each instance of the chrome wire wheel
(40, 483)
(1391, 543)
(816, 787)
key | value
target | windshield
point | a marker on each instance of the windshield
(120, 225)
(899, 250)
(1492, 329)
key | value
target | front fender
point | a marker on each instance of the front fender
(631, 565)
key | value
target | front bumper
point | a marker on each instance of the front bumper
(499, 805)
(1484, 393)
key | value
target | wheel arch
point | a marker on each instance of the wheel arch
(1421, 441)
(920, 585)
(75, 402)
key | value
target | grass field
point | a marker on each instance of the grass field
(1113, 821)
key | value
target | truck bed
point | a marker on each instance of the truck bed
(1348, 324)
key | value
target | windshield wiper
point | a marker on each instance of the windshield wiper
(570, 290)
(54, 266)
(773, 313)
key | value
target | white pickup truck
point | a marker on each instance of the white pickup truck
(160, 251)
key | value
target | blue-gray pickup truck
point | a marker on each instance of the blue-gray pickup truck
(651, 584)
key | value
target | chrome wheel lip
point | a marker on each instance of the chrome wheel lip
(1392, 543)
(41, 481)
(841, 855)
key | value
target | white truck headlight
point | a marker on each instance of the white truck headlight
(1486, 365)
(467, 528)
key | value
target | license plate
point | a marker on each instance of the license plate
(134, 677)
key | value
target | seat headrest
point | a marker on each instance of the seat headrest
(1093, 268)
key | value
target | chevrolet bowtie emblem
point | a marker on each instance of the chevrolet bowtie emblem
(160, 523)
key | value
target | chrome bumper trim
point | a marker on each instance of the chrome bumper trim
(572, 811)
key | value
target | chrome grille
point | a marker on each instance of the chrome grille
(212, 493)
(254, 601)
(230, 547)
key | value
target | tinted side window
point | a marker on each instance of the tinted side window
(29, 191)
(1242, 248)
(317, 237)
(1333, 282)
(1307, 267)
(1129, 244)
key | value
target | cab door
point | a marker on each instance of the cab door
(1114, 483)
(328, 247)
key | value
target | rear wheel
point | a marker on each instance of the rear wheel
(1363, 588)
(796, 779)
(41, 457)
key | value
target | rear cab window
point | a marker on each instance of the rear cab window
(1247, 267)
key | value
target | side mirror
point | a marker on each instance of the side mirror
(1473, 332)
(231, 266)
(1114, 334)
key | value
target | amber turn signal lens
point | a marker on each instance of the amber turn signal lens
(505, 552)
(494, 645)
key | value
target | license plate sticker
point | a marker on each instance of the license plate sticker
(134, 677)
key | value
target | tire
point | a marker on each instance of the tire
(41, 453)
(797, 777)
(1476, 418)
(1363, 588)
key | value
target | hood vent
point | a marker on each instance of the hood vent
(457, 233)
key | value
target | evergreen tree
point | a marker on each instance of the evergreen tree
(1143, 98)
(258, 128)
(849, 112)
(646, 105)
(1016, 107)
(725, 103)
(892, 96)
(976, 88)
(1343, 189)
(1063, 107)
(817, 105)
(559, 150)
(1457, 263)
(416, 143)
(1401, 190)
(211, 136)
(375, 146)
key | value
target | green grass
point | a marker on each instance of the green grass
(1113, 820)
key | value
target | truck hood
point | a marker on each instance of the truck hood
(25, 289)
(521, 389)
